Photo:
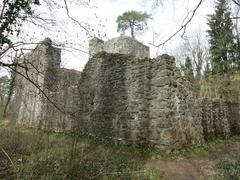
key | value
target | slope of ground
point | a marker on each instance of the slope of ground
(32, 154)
(206, 166)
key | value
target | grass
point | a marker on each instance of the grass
(128, 149)
(44, 155)
(32, 154)
(59, 163)
(216, 86)
(229, 169)
(194, 151)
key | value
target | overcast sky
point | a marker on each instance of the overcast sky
(166, 20)
(102, 15)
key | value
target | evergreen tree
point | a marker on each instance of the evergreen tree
(188, 69)
(222, 46)
(136, 21)
(207, 70)
(237, 50)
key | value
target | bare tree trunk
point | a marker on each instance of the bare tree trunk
(10, 93)
(132, 31)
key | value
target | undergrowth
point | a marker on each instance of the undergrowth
(193, 151)
(228, 168)
(32, 154)
(217, 86)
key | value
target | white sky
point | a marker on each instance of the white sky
(166, 20)
(102, 15)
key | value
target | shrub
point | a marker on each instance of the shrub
(229, 169)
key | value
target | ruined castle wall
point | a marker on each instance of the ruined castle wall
(134, 101)
(186, 109)
(39, 63)
(233, 113)
(59, 116)
(44, 99)
(95, 46)
(173, 110)
(123, 96)
(123, 45)
(215, 120)
(147, 102)
(126, 45)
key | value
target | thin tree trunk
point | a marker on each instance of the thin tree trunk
(10, 93)
(132, 31)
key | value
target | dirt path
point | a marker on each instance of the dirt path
(195, 168)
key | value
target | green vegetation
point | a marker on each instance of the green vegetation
(136, 21)
(31, 154)
(216, 86)
(13, 13)
(146, 152)
(188, 69)
(229, 168)
(222, 40)
(193, 151)
(212, 68)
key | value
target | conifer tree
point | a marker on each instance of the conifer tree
(207, 70)
(237, 50)
(188, 69)
(221, 39)
(135, 20)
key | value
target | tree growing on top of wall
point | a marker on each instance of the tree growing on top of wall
(221, 39)
(135, 20)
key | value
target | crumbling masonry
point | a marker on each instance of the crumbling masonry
(122, 95)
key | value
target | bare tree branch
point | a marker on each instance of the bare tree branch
(37, 86)
(236, 2)
(183, 27)
(74, 20)
(235, 17)
(3, 8)
(6, 154)
(14, 46)
(12, 65)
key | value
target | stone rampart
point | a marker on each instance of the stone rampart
(137, 101)
(123, 45)
(215, 119)
(122, 95)
(233, 116)
(44, 91)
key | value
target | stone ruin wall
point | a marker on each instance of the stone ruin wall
(215, 120)
(233, 116)
(137, 101)
(124, 98)
(122, 45)
(58, 84)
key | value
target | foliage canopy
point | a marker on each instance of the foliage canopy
(11, 17)
(135, 20)
(221, 39)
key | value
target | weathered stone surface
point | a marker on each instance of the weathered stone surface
(123, 45)
(125, 97)
(64, 98)
(233, 115)
(95, 46)
(47, 89)
(215, 119)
